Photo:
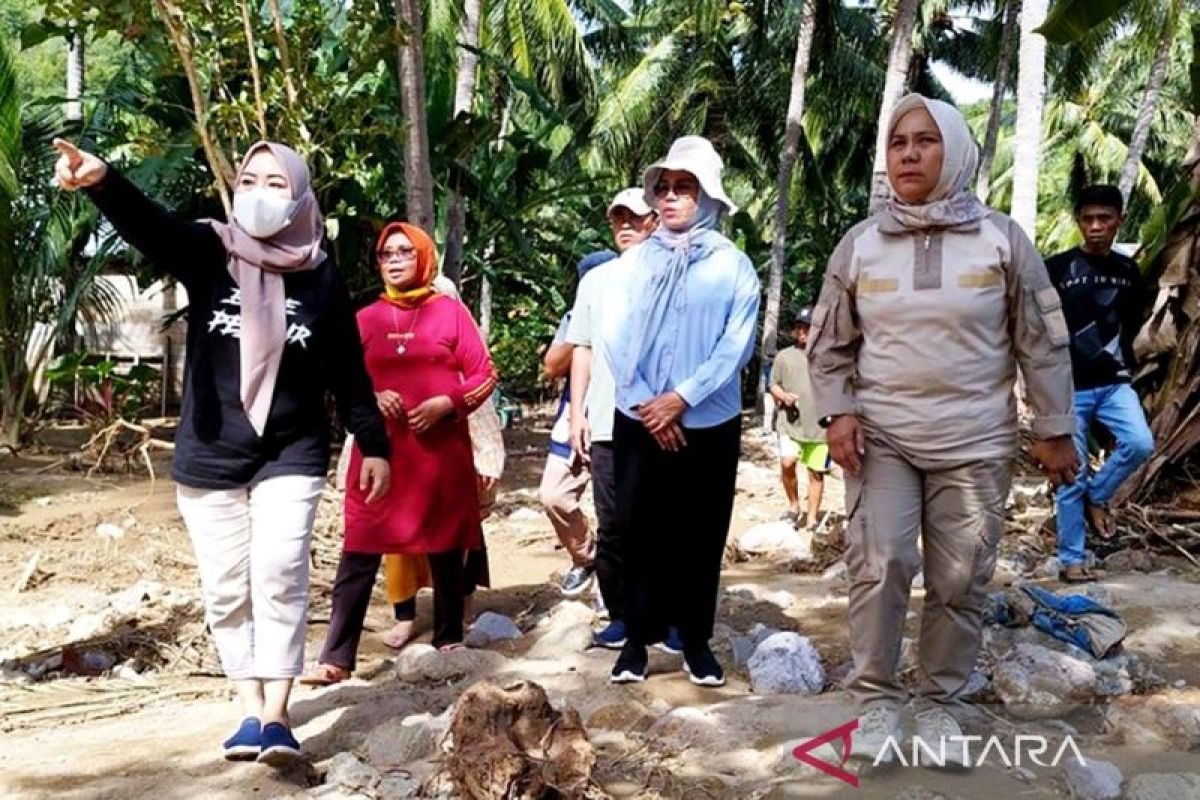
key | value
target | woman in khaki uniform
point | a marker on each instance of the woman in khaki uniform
(927, 310)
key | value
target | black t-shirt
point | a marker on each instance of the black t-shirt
(216, 447)
(1101, 297)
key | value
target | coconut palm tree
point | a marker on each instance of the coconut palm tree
(899, 61)
(1031, 88)
(418, 171)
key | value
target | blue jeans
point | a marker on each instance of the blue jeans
(1117, 407)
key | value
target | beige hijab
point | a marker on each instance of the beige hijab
(257, 267)
(951, 202)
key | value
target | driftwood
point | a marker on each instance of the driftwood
(511, 744)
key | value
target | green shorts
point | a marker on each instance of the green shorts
(812, 454)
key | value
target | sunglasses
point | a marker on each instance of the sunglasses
(686, 187)
(396, 254)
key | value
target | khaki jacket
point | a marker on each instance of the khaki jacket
(920, 334)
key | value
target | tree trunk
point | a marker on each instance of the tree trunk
(75, 74)
(285, 56)
(893, 88)
(260, 111)
(1003, 64)
(464, 99)
(1031, 89)
(1145, 117)
(783, 185)
(418, 175)
(223, 173)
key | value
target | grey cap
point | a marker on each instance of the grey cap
(803, 316)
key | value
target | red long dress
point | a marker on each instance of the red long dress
(431, 506)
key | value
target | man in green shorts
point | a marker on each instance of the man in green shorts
(800, 436)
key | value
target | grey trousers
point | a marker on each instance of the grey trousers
(959, 509)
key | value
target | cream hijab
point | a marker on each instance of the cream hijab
(258, 267)
(951, 202)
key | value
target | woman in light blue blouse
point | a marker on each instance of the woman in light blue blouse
(677, 341)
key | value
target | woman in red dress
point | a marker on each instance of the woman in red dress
(430, 369)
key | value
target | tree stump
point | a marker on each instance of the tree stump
(510, 743)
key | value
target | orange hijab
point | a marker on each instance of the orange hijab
(421, 289)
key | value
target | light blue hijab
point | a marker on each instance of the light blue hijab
(659, 275)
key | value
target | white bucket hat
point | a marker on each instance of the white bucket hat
(696, 155)
(633, 199)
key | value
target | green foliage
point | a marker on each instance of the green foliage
(1072, 20)
(105, 393)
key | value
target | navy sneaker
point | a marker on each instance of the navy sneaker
(631, 664)
(702, 667)
(245, 744)
(279, 747)
(612, 637)
(673, 644)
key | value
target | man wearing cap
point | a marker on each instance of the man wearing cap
(797, 425)
(592, 397)
(566, 475)
(677, 339)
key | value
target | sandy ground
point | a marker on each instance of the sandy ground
(156, 735)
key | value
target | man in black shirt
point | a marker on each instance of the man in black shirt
(1100, 291)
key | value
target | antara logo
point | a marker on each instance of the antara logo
(955, 749)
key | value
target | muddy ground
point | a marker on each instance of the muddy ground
(110, 687)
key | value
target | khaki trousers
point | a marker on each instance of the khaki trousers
(563, 484)
(959, 509)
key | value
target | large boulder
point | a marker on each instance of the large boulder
(567, 629)
(786, 663)
(1164, 786)
(1035, 682)
(347, 773)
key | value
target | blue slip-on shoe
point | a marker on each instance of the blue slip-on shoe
(612, 637)
(673, 644)
(245, 744)
(279, 747)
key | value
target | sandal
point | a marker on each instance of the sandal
(450, 648)
(324, 675)
(1100, 518)
(1076, 573)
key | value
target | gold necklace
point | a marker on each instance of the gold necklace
(403, 337)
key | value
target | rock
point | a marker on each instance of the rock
(398, 742)
(1099, 780)
(490, 627)
(776, 539)
(786, 663)
(628, 716)
(1155, 720)
(1130, 561)
(1034, 682)
(978, 685)
(109, 530)
(525, 514)
(1164, 786)
(14, 677)
(918, 581)
(1116, 675)
(743, 647)
(348, 773)
(921, 793)
(395, 787)
(421, 662)
(128, 672)
(1179, 684)
(567, 629)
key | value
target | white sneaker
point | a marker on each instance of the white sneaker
(875, 726)
(941, 744)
